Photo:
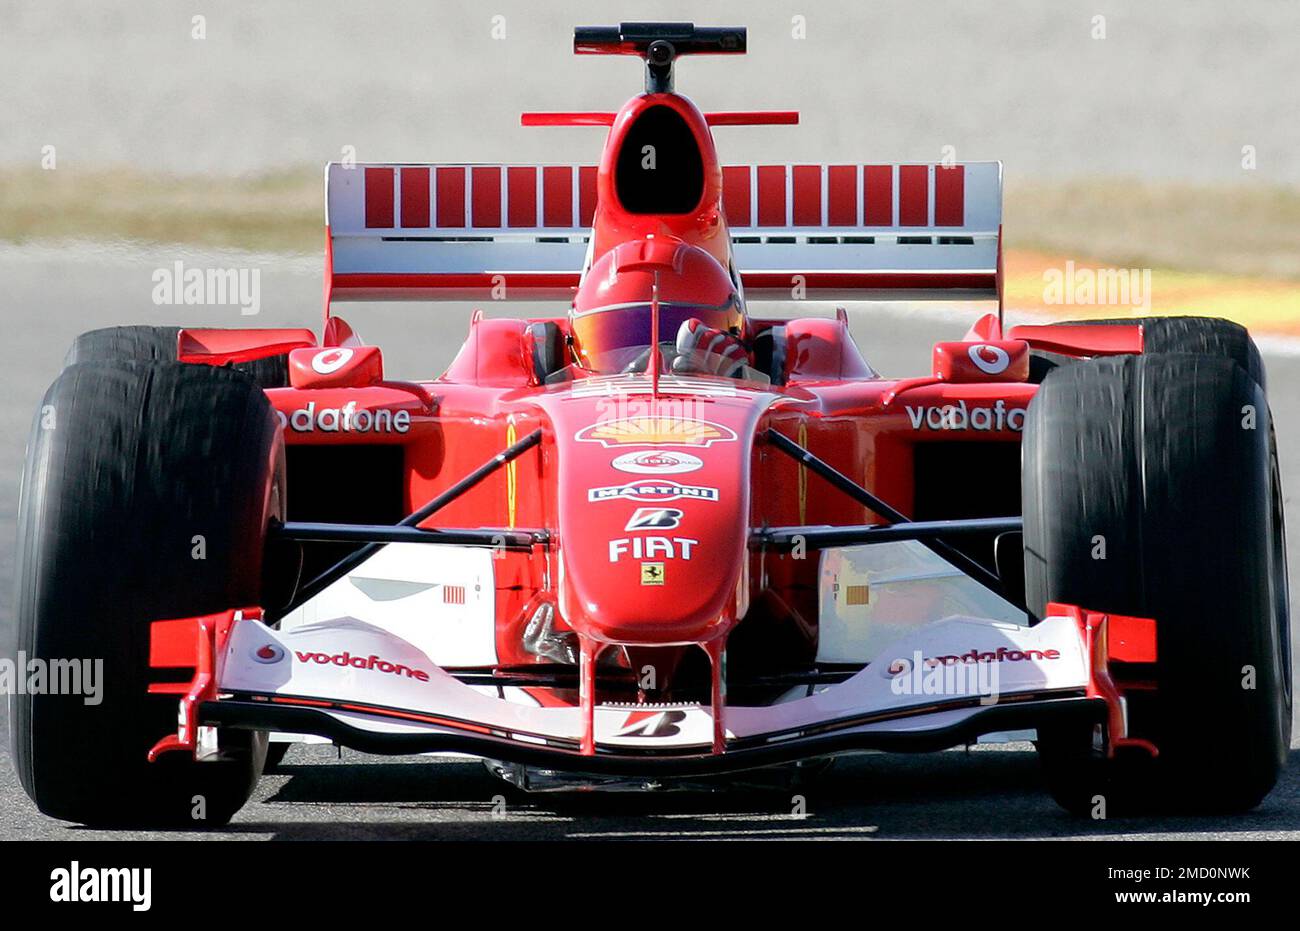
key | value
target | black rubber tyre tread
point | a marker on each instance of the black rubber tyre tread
(126, 463)
(158, 344)
(1153, 454)
(1211, 336)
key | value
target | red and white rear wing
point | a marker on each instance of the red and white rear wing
(452, 232)
(521, 231)
(866, 231)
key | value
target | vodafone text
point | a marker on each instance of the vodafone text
(362, 662)
(960, 417)
(345, 419)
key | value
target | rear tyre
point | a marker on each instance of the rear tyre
(158, 344)
(134, 471)
(1166, 466)
(1210, 336)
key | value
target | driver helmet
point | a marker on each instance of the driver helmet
(610, 317)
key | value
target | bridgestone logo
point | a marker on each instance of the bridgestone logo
(960, 417)
(345, 419)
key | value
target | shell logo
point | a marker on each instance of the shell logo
(656, 431)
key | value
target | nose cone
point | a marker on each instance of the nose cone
(654, 520)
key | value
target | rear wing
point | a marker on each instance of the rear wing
(854, 232)
(850, 232)
(457, 232)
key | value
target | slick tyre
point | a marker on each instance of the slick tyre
(1210, 336)
(158, 344)
(147, 494)
(1150, 488)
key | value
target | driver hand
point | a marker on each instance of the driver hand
(705, 350)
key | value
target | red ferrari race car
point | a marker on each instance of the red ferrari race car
(657, 539)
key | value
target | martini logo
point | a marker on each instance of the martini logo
(656, 431)
(330, 361)
(655, 519)
(657, 462)
(652, 724)
(652, 492)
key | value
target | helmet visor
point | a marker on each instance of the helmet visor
(616, 338)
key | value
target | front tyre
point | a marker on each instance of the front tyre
(147, 494)
(1165, 466)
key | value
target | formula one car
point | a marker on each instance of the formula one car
(657, 539)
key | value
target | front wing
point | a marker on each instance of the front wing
(364, 687)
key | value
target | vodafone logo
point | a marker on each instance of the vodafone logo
(345, 419)
(958, 416)
(268, 653)
(991, 360)
(329, 361)
(371, 662)
(657, 462)
(1001, 655)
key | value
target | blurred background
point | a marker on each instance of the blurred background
(1157, 134)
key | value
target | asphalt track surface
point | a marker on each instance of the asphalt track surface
(48, 295)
